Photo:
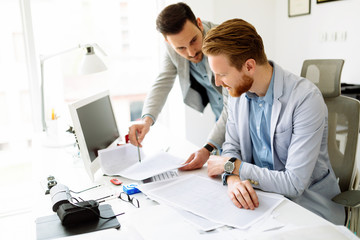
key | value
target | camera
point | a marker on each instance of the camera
(82, 212)
(72, 213)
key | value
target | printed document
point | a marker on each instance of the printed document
(209, 199)
(124, 161)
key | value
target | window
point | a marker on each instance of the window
(15, 117)
(124, 29)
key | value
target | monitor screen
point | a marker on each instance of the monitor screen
(98, 125)
(95, 128)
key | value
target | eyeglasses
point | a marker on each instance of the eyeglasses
(125, 197)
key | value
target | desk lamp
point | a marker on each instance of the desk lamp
(90, 63)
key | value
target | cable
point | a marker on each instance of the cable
(60, 194)
(85, 189)
(89, 208)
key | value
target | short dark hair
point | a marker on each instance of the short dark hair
(172, 19)
(238, 40)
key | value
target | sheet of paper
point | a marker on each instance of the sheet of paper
(199, 222)
(124, 161)
(161, 222)
(209, 199)
(311, 232)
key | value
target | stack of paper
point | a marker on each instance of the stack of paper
(124, 161)
(209, 199)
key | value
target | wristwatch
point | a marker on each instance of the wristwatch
(209, 148)
(229, 166)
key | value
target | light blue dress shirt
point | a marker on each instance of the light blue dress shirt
(260, 118)
(198, 71)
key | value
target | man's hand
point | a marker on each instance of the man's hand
(216, 165)
(241, 193)
(196, 159)
(142, 128)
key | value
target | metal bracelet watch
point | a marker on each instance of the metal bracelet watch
(229, 166)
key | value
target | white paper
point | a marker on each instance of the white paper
(124, 161)
(310, 232)
(161, 222)
(209, 199)
(200, 223)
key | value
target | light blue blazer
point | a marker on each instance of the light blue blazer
(302, 170)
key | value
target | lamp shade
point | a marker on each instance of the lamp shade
(91, 63)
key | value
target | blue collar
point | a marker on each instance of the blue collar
(268, 98)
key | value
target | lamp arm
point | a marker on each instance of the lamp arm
(43, 58)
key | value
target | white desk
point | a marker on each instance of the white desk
(153, 221)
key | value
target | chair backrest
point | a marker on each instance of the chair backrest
(343, 119)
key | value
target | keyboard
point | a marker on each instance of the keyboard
(162, 176)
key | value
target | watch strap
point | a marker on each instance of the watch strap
(225, 176)
(209, 147)
(233, 159)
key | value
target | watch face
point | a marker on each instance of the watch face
(229, 167)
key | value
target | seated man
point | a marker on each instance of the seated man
(276, 133)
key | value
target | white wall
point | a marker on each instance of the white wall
(300, 37)
(289, 41)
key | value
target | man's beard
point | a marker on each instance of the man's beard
(245, 85)
(196, 54)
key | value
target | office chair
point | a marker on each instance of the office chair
(343, 129)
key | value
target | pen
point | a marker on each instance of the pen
(137, 139)
(103, 199)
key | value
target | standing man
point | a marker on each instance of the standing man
(276, 133)
(184, 35)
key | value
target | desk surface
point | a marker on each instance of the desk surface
(154, 221)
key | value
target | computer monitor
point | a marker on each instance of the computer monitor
(95, 128)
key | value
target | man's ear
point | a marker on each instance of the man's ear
(200, 25)
(250, 66)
